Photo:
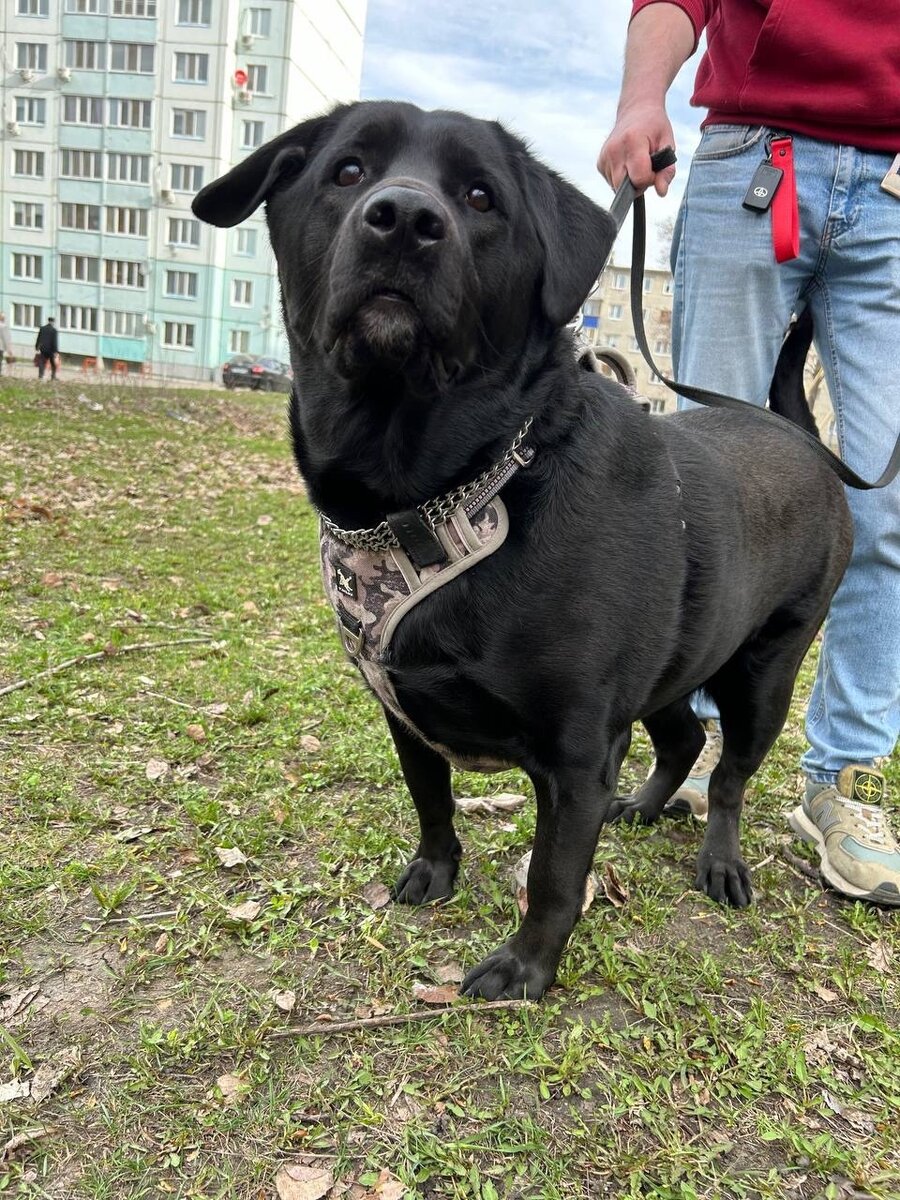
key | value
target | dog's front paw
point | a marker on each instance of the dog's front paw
(426, 879)
(630, 810)
(726, 880)
(507, 975)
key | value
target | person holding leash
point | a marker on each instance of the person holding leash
(793, 201)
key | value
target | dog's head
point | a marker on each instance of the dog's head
(402, 235)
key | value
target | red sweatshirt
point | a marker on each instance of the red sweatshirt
(826, 68)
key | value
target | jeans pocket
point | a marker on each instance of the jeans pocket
(727, 141)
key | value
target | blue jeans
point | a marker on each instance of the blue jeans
(732, 304)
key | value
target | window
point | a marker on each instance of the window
(128, 168)
(615, 312)
(252, 134)
(191, 68)
(33, 8)
(27, 316)
(31, 56)
(661, 346)
(119, 272)
(86, 6)
(239, 341)
(182, 284)
(28, 266)
(193, 12)
(31, 110)
(648, 283)
(134, 8)
(188, 123)
(186, 177)
(183, 231)
(633, 344)
(79, 216)
(79, 268)
(26, 215)
(668, 286)
(260, 21)
(136, 57)
(131, 221)
(86, 56)
(257, 78)
(28, 163)
(81, 164)
(620, 281)
(130, 114)
(78, 317)
(178, 335)
(123, 324)
(82, 110)
(245, 241)
(242, 291)
(612, 342)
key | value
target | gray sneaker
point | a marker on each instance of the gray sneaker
(847, 824)
(693, 795)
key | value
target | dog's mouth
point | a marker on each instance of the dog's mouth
(385, 326)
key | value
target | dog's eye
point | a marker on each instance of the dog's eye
(479, 198)
(349, 173)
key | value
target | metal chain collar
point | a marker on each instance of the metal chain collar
(434, 512)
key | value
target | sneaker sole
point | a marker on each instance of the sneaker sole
(683, 807)
(804, 828)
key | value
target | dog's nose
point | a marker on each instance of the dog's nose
(393, 212)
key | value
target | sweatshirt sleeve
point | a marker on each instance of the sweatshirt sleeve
(699, 11)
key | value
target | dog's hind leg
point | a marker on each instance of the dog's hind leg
(431, 873)
(571, 805)
(677, 737)
(753, 692)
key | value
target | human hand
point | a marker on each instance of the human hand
(639, 132)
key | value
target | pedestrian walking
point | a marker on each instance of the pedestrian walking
(47, 347)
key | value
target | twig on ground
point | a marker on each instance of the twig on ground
(80, 659)
(324, 1028)
(150, 916)
(800, 864)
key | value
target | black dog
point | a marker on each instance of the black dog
(427, 264)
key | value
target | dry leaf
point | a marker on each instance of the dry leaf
(156, 768)
(249, 608)
(824, 993)
(248, 911)
(613, 888)
(17, 1003)
(23, 1139)
(450, 972)
(196, 733)
(265, 519)
(880, 956)
(161, 944)
(295, 1181)
(16, 1089)
(286, 1001)
(233, 1088)
(54, 1071)
(310, 743)
(502, 803)
(389, 1188)
(435, 995)
(133, 833)
(230, 856)
(376, 895)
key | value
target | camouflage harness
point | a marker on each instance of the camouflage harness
(373, 577)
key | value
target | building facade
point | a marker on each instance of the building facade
(115, 113)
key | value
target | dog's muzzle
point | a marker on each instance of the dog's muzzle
(403, 217)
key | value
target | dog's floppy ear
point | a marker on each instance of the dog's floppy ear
(576, 234)
(232, 198)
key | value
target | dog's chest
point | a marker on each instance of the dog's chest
(372, 590)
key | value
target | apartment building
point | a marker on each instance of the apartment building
(115, 112)
(607, 323)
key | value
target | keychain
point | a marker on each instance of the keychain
(773, 187)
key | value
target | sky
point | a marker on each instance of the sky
(549, 71)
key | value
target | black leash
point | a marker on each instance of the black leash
(625, 197)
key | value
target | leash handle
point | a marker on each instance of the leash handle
(717, 399)
(627, 193)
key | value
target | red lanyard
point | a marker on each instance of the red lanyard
(785, 214)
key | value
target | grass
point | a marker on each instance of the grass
(686, 1052)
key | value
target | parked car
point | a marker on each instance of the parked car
(260, 373)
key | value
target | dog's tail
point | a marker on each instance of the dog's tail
(787, 395)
